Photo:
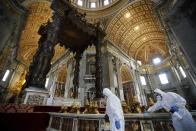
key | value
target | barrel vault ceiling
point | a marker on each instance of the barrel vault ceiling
(136, 30)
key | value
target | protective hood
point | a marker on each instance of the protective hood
(107, 92)
(159, 91)
(112, 100)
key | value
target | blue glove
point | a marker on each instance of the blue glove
(117, 124)
(146, 113)
(174, 109)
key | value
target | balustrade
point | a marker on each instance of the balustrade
(96, 122)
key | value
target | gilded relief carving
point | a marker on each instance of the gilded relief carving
(18, 86)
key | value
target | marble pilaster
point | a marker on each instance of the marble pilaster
(69, 79)
(120, 87)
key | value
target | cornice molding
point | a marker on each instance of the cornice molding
(26, 3)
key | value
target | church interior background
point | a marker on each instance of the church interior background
(129, 46)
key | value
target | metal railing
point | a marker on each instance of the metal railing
(96, 122)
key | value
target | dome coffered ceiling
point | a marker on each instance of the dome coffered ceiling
(93, 4)
(136, 30)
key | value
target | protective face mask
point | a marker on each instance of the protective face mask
(104, 96)
(158, 98)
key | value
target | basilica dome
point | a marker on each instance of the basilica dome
(93, 4)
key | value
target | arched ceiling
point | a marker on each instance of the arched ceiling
(136, 30)
(38, 13)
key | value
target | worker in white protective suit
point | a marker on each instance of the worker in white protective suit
(181, 118)
(114, 111)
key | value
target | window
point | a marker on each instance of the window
(106, 2)
(93, 5)
(47, 81)
(139, 62)
(182, 72)
(6, 75)
(143, 81)
(115, 80)
(156, 60)
(80, 2)
(163, 78)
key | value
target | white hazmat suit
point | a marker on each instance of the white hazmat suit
(114, 110)
(182, 119)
